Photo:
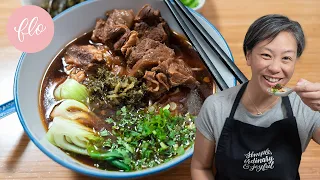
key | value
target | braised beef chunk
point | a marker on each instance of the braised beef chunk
(121, 41)
(149, 15)
(83, 56)
(152, 83)
(178, 72)
(139, 51)
(164, 66)
(149, 49)
(181, 74)
(155, 88)
(141, 27)
(114, 31)
(150, 24)
(100, 32)
(143, 65)
(132, 41)
(120, 17)
(110, 34)
(169, 73)
(160, 53)
(157, 33)
(163, 80)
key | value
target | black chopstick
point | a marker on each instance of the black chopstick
(216, 75)
(213, 44)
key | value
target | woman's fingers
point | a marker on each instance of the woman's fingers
(314, 104)
(309, 93)
(306, 86)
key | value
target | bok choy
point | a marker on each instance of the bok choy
(71, 89)
(71, 135)
(70, 109)
(74, 137)
(72, 130)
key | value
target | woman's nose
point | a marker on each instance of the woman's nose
(275, 66)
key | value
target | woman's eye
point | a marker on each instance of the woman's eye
(266, 55)
(287, 58)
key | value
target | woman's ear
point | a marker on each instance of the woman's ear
(249, 58)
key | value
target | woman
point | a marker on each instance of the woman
(248, 133)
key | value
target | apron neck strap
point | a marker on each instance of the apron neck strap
(237, 100)
(287, 105)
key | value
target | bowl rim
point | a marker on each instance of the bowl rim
(78, 169)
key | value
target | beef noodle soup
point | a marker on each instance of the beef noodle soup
(124, 96)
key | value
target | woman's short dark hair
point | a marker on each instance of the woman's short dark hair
(268, 27)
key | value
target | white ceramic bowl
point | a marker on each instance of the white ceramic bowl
(69, 25)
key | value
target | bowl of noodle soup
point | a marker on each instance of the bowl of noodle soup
(117, 91)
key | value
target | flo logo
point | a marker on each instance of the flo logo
(30, 29)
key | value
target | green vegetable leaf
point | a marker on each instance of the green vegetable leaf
(71, 89)
(135, 134)
(171, 143)
(180, 150)
(109, 120)
(105, 156)
(107, 143)
(104, 133)
(121, 165)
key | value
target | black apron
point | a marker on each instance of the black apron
(247, 152)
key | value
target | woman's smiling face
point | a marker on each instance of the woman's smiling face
(273, 62)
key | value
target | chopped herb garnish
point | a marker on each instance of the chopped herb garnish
(146, 139)
(104, 133)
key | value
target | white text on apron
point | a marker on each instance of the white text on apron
(260, 161)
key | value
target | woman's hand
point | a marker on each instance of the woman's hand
(309, 93)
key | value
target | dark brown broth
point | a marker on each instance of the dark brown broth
(56, 74)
